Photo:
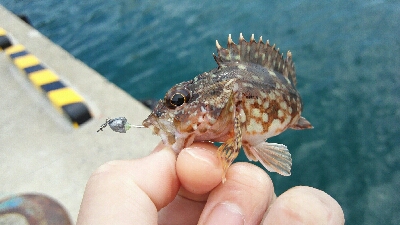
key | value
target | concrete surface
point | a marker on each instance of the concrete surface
(39, 150)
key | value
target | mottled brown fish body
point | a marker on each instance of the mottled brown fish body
(250, 97)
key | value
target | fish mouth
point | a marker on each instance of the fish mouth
(149, 123)
(169, 134)
(165, 130)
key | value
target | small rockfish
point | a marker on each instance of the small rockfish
(248, 98)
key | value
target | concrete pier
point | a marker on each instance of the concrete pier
(40, 151)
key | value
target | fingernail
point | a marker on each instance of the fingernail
(225, 213)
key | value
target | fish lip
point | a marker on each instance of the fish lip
(152, 123)
(148, 121)
(161, 127)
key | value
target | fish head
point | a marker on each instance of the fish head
(188, 111)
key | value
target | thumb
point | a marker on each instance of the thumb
(130, 192)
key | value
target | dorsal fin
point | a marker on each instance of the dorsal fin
(256, 52)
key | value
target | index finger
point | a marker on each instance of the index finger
(199, 169)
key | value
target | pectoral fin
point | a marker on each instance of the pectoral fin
(274, 157)
(230, 149)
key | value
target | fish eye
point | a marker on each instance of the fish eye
(177, 98)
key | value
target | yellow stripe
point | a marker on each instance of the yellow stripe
(2, 32)
(41, 77)
(14, 49)
(64, 96)
(26, 61)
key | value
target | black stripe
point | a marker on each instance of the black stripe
(77, 112)
(52, 86)
(18, 54)
(32, 69)
(4, 42)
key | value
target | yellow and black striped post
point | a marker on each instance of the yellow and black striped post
(64, 98)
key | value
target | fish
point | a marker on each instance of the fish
(250, 97)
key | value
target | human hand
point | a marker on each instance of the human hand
(163, 189)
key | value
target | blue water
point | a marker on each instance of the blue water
(347, 60)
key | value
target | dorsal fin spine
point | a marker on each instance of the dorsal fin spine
(258, 53)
